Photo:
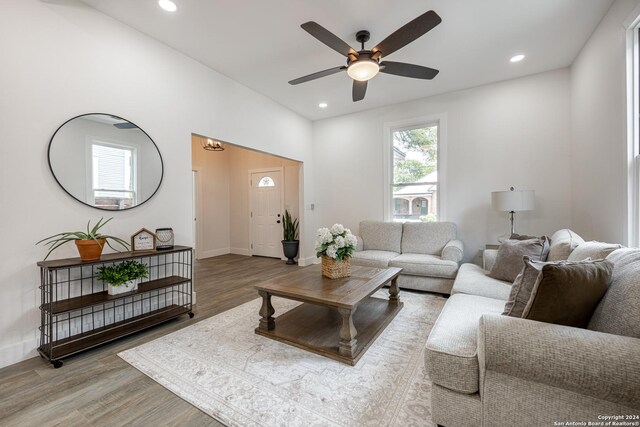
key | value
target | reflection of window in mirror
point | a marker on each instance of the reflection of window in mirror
(266, 182)
(113, 175)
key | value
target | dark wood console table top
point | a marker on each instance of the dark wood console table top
(338, 318)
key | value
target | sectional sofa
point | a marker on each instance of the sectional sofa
(490, 369)
(428, 252)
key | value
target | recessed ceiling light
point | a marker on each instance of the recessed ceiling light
(168, 5)
(323, 105)
(517, 58)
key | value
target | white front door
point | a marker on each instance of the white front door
(266, 213)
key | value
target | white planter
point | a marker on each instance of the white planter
(129, 286)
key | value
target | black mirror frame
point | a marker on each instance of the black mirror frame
(85, 203)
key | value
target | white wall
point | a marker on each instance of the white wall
(599, 139)
(512, 133)
(241, 161)
(212, 200)
(62, 59)
(223, 197)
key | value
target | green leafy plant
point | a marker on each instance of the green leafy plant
(119, 274)
(290, 227)
(57, 240)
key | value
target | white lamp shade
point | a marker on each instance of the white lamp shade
(363, 70)
(513, 201)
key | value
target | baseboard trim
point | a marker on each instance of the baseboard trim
(240, 251)
(213, 252)
(303, 262)
(18, 352)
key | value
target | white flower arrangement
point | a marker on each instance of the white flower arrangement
(336, 242)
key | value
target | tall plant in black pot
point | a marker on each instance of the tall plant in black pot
(290, 244)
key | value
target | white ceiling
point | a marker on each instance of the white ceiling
(260, 44)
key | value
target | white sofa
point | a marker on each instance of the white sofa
(489, 369)
(428, 252)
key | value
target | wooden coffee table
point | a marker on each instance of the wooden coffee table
(338, 318)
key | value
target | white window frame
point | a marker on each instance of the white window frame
(134, 148)
(632, 24)
(387, 158)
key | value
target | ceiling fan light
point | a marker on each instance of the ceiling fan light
(363, 69)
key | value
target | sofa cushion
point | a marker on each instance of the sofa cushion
(567, 293)
(381, 236)
(427, 237)
(563, 242)
(593, 250)
(473, 280)
(508, 261)
(378, 259)
(451, 352)
(618, 311)
(425, 265)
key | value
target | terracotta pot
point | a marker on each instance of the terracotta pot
(90, 250)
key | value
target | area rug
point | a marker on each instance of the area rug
(242, 379)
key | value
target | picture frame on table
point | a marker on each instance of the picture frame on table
(143, 241)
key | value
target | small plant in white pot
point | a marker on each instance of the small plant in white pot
(123, 277)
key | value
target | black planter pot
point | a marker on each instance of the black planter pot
(290, 249)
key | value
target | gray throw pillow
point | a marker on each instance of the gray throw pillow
(510, 253)
(521, 289)
(523, 286)
(593, 250)
(516, 236)
(568, 293)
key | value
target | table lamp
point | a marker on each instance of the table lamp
(512, 201)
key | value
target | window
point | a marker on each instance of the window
(633, 134)
(414, 173)
(113, 176)
(266, 182)
(634, 146)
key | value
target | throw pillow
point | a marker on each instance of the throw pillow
(568, 293)
(593, 250)
(516, 236)
(509, 257)
(521, 289)
(523, 286)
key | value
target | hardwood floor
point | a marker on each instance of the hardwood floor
(97, 388)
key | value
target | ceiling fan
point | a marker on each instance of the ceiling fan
(365, 64)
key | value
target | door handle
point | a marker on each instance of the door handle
(278, 221)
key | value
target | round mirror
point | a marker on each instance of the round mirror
(105, 161)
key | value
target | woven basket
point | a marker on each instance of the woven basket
(335, 269)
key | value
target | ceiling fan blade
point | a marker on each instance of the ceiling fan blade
(359, 89)
(408, 33)
(328, 38)
(408, 70)
(317, 75)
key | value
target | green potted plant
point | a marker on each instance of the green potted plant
(123, 276)
(290, 244)
(89, 244)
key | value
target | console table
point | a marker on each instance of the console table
(77, 313)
